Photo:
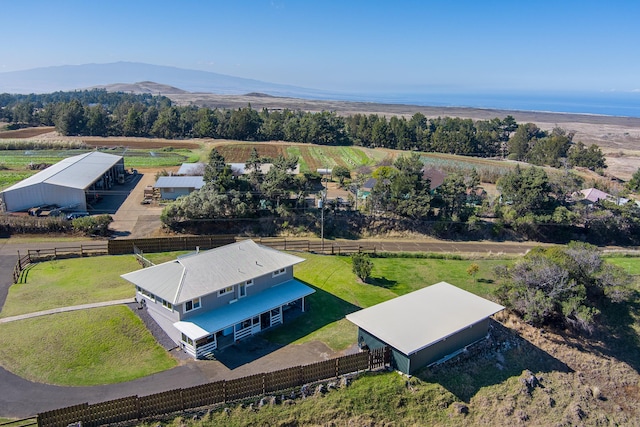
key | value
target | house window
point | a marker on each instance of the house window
(148, 294)
(225, 290)
(187, 339)
(192, 305)
(279, 272)
(167, 305)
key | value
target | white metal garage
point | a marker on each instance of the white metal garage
(66, 183)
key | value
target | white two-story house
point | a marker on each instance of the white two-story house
(211, 299)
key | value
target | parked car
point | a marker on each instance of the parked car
(73, 215)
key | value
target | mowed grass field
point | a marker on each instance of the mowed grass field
(111, 345)
(76, 281)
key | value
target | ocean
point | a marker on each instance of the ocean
(604, 103)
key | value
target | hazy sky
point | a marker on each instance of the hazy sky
(353, 45)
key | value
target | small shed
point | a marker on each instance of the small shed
(172, 187)
(425, 326)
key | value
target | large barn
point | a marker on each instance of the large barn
(68, 183)
(425, 326)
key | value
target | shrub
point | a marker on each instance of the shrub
(362, 266)
(92, 225)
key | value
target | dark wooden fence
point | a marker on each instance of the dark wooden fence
(168, 244)
(317, 246)
(37, 255)
(135, 408)
(185, 243)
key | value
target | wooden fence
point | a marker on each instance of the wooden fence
(317, 246)
(168, 244)
(185, 243)
(135, 408)
(37, 255)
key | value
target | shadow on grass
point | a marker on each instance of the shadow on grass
(504, 355)
(381, 282)
(615, 336)
(321, 309)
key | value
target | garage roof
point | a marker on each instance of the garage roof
(421, 318)
(73, 172)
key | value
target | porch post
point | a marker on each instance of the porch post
(302, 304)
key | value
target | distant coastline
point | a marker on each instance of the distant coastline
(611, 104)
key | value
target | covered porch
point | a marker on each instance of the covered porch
(202, 334)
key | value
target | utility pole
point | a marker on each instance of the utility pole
(323, 194)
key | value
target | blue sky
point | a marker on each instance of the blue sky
(349, 45)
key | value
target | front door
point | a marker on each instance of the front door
(265, 320)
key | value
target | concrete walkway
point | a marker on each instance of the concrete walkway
(65, 309)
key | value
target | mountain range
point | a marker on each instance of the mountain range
(75, 77)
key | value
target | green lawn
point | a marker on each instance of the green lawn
(89, 347)
(68, 282)
(630, 264)
(339, 292)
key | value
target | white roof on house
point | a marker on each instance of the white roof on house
(191, 169)
(241, 168)
(223, 317)
(196, 182)
(203, 273)
(421, 318)
(74, 172)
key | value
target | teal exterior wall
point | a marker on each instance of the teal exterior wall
(410, 364)
(443, 348)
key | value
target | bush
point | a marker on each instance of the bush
(93, 225)
(362, 266)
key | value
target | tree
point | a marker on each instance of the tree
(634, 182)
(97, 121)
(167, 124)
(523, 139)
(591, 158)
(563, 284)
(362, 266)
(526, 191)
(71, 119)
(342, 173)
(217, 171)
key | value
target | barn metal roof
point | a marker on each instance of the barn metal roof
(203, 273)
(195, 169)
(74, 172)
(223, 317)
(196, 182)
(421, 318)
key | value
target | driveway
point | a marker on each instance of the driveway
(133, 219)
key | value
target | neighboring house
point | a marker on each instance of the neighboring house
(593, 195)
(68, 183)
(208, 300)
(172, 187)
(191, 169)
(425, 326)
(365, 189)
(238, 169)
(436, 178)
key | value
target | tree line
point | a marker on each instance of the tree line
(100, 113)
